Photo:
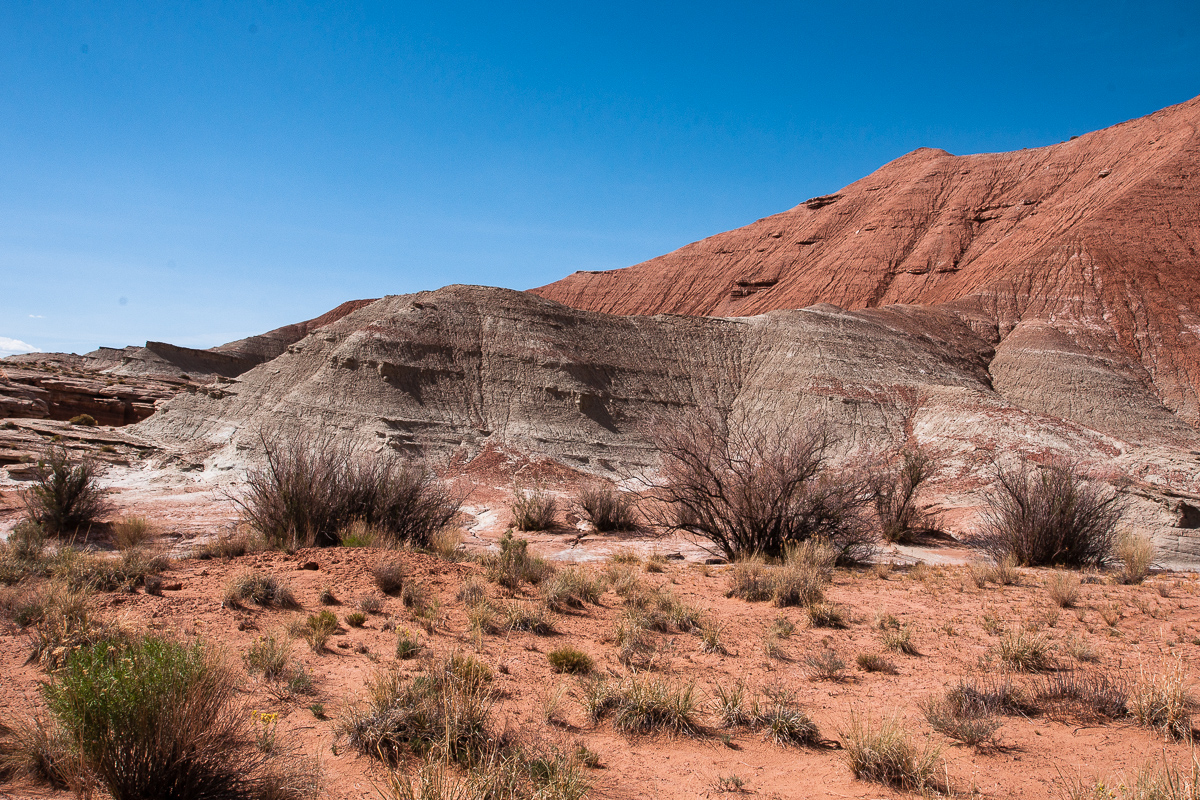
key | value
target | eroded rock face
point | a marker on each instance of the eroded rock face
(448, 373)
(1092, 244)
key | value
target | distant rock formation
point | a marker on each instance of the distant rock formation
(1079, 261)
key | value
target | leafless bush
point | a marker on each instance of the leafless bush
(900, 518)
(64, 497)
(1089, 694)
(1049, 516)
(608, 509)
(310, 489)
(749, 487)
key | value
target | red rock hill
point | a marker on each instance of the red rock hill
(1085, 250)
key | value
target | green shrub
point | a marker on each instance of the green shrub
(407, 645)
(571, 660)
(152, 718)
(513, 565)
(64, 497)
(356, 619)
(318, 628)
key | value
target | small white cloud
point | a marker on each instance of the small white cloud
(36, 316)
(11, 347)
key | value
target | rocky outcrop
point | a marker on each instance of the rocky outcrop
(61, 394)
(1080, 262)
(449, 373)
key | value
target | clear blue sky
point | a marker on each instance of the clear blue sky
(197, 172)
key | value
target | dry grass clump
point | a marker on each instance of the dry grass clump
(1151, 782)
(1160, 701)
(503, 773)
(1090, 695)
(407, 645)
(825, 665)
(513, 565)
(1136, 555)
(528, 617)
(885, 753)
(534, 509)
(472, 591)
(899, 640)
(570, 660)
(1049, 516)
(785, 724)
(231, 544)
(1063, 588)
(827, 615)
(608, 509)
(269, 656)
(443, 711)
(572, 587)
(792, 584)
(312, 488)
(961, 716)
(62, 622)
(645, 705)
(389, 575)
(264, 590)
(1025, 650)
(131, 531)
(22, 554)
(873, 662)
(64, 496)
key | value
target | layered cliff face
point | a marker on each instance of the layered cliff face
(1078, 261)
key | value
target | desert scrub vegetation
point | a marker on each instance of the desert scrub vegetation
(777, 715)
(885, 753)
(1135, 556)
(64, 497)
(443, 712)
(1089, 695)
(645, 705)
(151, 718)
(267, 591)
(794, 583)
(388, 575)
(528, 617)
(1049, 516)
(533, 509)
(901, 520)
(571, 588)
(570, 660)
(1025, 651)
(311, 488)
(1159, 701)
(504, 773)
(318, 628)
(131, 531)
(873, 662)
(961, 716)
(1151, 781)
(513, 565)
(745, 487)
(1063, 588)
(608, 509)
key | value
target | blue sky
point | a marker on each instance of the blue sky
(197, 172)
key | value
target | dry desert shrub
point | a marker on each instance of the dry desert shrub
(883, 752)
(443, 711)
(533, 509)
(825, 665)
(649, 705)
(970, 723)
(1049, 516)
(792, 584)
(1136, 555)
(231, 543)
(267, 591)
(745, 486)
(608, 509)
(827, 615)
(64, 497)
(314, 487)
(873, 662)
(269, 656)
(389, 575)
(529, 617)
(502, 773)
(901, 520)
(318, 628)
(899, 640)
